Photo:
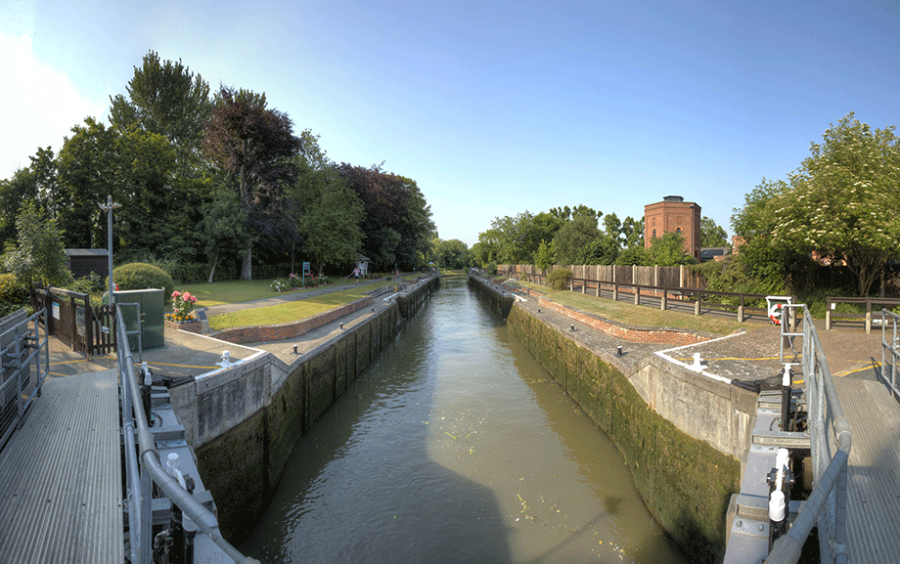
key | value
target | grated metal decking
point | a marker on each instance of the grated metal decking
(873, 481)
(60, 476)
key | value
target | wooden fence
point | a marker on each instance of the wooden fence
(72, 320)
(660, 276)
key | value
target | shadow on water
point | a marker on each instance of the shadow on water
(360, 486)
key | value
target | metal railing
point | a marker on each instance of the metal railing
(890, 349)
(21, 374)
(830, 443)
(144, 466)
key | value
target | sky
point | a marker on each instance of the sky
(494, 108)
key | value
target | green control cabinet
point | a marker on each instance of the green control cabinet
(152, 317)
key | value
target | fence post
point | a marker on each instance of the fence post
(697, 304)
(615, 292)
(681, 276)
(740, 311)
(828, 314)
(665, 296)
(637, 295)
(868, 316)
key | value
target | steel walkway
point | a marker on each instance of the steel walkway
(873, 489)
(60, 476)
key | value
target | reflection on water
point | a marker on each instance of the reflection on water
(456, 446)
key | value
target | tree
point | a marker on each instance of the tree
(574, 235)
(89, 171)
(668, 250)
(602, 250)
(452, 253)
(397, 225)
(711, 235)
(165, 98)
(40, 256)
(328, 211)
(255, 144)
(223, 228)
(543, 257)
(843, 202)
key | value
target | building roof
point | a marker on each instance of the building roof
(86, 253)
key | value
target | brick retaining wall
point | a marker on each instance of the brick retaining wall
(660, 335)
(289, 330)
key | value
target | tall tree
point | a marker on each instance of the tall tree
(328, 212)
(255, 144)
(575, 234)
(844, 200)
(711, 234)
(166, 98)
(89, 171)
(39, 256)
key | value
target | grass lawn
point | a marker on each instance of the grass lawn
(290, 311)
(642, 316)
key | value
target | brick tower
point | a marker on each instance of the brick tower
(673, 214)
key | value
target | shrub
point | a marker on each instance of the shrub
(13, 295)
(559, 278)
(138, 275)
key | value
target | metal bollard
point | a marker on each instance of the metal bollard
(786, 398)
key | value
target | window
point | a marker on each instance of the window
(678, 230)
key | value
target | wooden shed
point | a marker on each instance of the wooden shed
(81, 262)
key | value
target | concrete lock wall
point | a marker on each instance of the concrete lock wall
(681, 434)
(243, 422)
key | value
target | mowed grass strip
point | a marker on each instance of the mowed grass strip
(294, 310)
(641, 316)
(237, 291)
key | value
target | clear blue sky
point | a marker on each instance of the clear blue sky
(494, 108)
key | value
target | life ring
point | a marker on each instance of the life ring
(775, 313)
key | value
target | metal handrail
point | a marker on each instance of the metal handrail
(891, 348)
(827, 505)
(12, 339)
(150, 466)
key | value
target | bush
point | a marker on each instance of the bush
(13, 295)
(559, 278)
(12, 291)
(138, 275)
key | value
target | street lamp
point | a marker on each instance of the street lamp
(109, 207)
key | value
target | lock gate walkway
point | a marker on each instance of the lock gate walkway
(60, 476)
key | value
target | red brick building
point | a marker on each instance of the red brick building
(673, 214)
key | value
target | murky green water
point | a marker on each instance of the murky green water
(456, 446)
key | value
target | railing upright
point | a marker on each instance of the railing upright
(890, 349)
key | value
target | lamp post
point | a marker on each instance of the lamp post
(109, 207)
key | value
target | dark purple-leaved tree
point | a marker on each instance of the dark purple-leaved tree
(255, 145)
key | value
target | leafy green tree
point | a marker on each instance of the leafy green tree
(668, 250)
(89, 171)
(843, 202)
(165, 98)
(40, 256)
(487, 250)
(759, 259)
(452, 253)
(574, 235)
(544, 258)
(711, 234)
(328, 212)
(246, 139)
(602, 250)
(635, 255)
(223, 227)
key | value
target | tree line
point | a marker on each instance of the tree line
(832, 227)
(582, 235)
(213, 185)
